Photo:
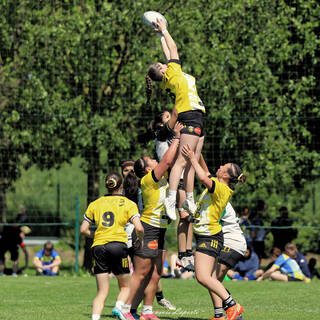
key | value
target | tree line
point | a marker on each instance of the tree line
(72, 84)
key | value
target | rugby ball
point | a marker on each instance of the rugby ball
(150, 18)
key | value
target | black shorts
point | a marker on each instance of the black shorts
(181, 185)
(229, 257)
(132, 250)
(111, 257)
(193, 122)
(14, 252)
(153, 241)
(210, 245)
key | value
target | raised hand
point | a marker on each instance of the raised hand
(160, 25)
(177, 128)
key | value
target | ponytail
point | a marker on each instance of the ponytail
(148, 88)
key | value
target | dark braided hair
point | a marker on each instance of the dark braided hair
(148, 88)
(236, 175)
(113, 181)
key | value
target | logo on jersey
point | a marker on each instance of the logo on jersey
(190, 129)
(203, 245)
(153, 245)
(197, 131)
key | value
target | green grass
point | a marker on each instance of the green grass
(67, 297)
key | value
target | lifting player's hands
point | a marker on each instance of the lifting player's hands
(187, 152)
(177, 128)
(160, 25)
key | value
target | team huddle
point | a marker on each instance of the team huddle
(133, 217)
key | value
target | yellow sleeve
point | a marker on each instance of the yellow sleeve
(132, 210)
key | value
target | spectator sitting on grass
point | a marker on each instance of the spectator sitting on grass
(285, 268)
(47, 260)
(302, 261)
(248, 267)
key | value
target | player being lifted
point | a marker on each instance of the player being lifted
(188, 110)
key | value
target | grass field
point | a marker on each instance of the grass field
(67, 297)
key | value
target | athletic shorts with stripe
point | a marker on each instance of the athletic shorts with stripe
(111, 257)
(153, 241)
(210, 245)
(229, 257)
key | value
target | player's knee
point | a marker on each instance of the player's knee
(202, 279)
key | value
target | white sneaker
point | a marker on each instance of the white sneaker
(170, 208)
(166, 304)
(190, 207)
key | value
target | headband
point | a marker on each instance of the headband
(127, 163)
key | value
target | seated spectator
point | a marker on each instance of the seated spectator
(302, 261)
(248, 268)
(275, 253)
(312, 268)
(47, 260)
(282, 236)
(178, 271)
(285, 268)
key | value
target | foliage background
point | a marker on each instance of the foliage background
(72, 100)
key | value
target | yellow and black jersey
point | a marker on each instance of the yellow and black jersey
(210, 208)
(153, 194)
(182, 87)
(110, 213)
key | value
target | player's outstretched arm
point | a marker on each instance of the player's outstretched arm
(169, 156)
(189, 154)
(203, 165)
(170, 51)
(164, 47)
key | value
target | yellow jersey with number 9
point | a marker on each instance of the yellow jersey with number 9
(153, 194)
(210, 208)
(110, 214)
(182, 87)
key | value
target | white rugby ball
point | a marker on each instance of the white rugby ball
(150, 18)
